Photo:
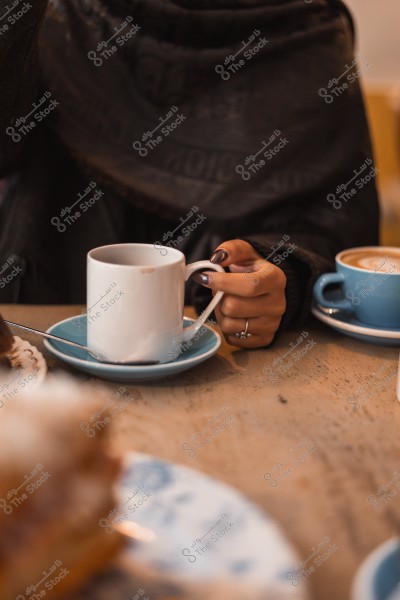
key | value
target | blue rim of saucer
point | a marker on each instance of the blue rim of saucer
(345, 322)
(70, 354)
(378, 576)
(348, 323)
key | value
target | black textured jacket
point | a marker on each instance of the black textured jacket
(248, 110)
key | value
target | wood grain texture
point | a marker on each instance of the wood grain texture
(326, 491)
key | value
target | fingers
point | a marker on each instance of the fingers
(263, 314)
(240, 284)
(254, 292)
(255, 341)
(262, 330)
(234, 251)
(236, 307)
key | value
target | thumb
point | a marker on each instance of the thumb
(235, 252)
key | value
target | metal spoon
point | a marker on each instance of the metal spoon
(92, 353)
(329, 311)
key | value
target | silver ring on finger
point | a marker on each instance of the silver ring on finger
(244, 334)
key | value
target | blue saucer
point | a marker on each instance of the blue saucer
(345, 322)
(378, 577)
(74, 329)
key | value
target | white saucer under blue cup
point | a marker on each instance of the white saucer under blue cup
(205, 344)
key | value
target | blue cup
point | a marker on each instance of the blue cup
(371, 294)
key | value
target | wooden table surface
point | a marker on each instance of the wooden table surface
(336, 391)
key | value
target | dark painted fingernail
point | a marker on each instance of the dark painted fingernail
(201, 278)
(219, 256)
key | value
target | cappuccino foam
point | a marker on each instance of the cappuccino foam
(378, 262)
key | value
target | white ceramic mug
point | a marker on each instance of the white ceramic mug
(135, 302)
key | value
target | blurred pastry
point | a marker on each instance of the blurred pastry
(55, 486)
(16, 353)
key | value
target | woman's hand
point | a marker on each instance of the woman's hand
(254, 292)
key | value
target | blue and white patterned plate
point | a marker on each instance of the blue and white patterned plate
(202, 530)
(74, 329)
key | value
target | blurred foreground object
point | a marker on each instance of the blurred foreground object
(55, 486)
(21, 364)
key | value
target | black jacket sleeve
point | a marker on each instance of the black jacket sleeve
(19, 31)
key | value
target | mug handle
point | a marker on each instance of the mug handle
(319, 288)
(190, 332)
